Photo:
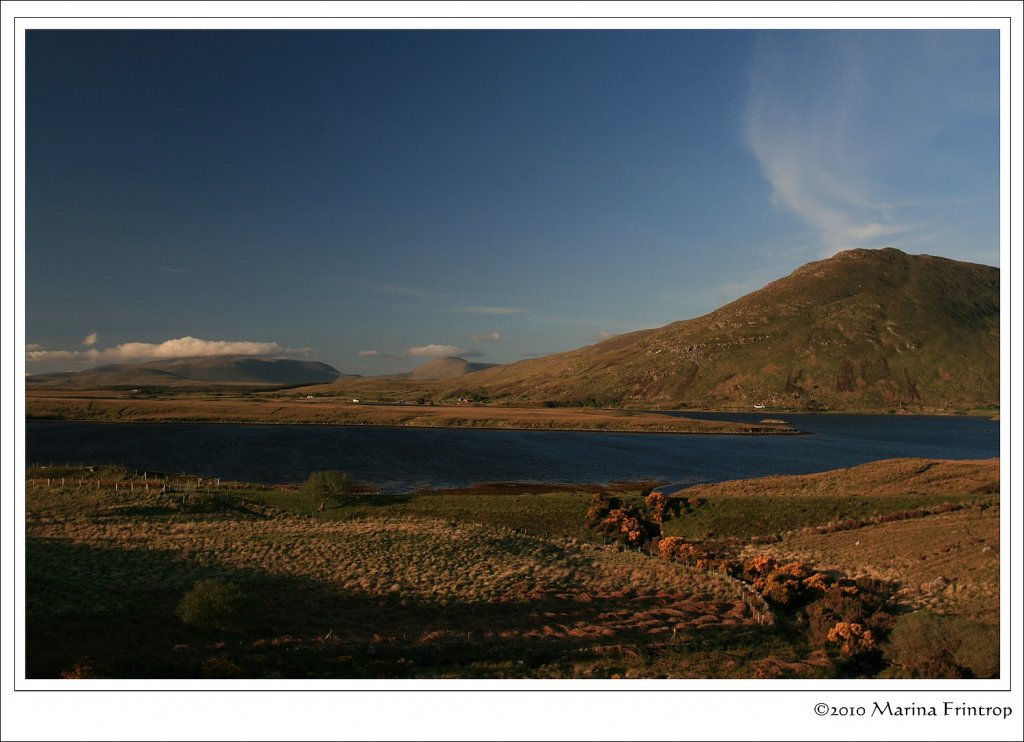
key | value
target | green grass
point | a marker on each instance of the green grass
(564, 513)
(744, 517)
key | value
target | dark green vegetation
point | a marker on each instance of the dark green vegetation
(131, 577)
(866, 330)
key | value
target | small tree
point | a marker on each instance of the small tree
(212, 604)
(328, 485)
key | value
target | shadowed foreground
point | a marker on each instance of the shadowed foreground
(256, 584)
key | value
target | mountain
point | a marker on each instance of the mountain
(444, 368)
(201, 370)
(871, 330)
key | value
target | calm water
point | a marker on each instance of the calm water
(398, 459)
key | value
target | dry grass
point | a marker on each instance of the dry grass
(278, 408)
(401, 595)
(877, 479)
(456, 584)
(947, 563)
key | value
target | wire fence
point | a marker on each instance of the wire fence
(153, 484)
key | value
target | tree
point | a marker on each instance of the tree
(213, 604)
(328, 485)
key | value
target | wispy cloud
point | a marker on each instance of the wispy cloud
(167, 269)
(489, 337)
(379, 354)
(603, 335)
(488, 310)
(178, 348)
(91, 339)
(841, 124)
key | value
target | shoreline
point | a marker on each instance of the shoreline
(525, 429)
(59, 408)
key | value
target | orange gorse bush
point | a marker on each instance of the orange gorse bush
(622, 521)
(853, 638)
(657, 504)
(677, 548)
(817, 581)
(760, 565)
(668, 547)
(81, 671)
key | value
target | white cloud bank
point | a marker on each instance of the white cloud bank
(440, 351)
(433, 350)
(185, 347)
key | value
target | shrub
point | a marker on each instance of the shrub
(676, 547)
(600, 506)
(837, 605)
(624, 522)
(853, 639)
(819, 582)
(212, 604)
(668, 547)
(328, 485)
(927, 645)
(620, 521)
(657, 505)
(759, 565)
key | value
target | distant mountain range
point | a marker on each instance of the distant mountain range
(864, 330)
(238, 370)
(443, 368)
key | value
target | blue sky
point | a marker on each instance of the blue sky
(374, 199)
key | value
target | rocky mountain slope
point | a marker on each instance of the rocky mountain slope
(872, 330)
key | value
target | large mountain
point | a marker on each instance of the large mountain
(864, 330)
(197, 371)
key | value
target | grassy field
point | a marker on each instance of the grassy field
(133, 578)
(291, 408)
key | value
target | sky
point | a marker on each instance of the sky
(377, 199)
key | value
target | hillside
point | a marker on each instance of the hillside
(192, 371)
(444, 368)
(872, 330)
